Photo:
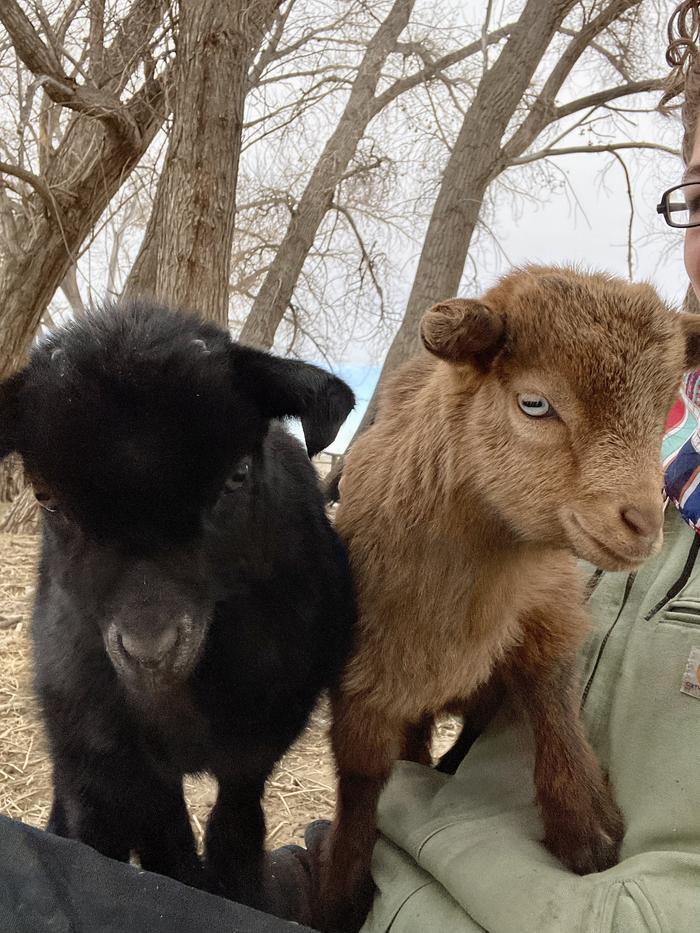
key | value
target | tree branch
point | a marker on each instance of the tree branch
(606, 95)
(366, 258)
(573, 150)
(97, 39)
(439, 65)
(43, 62)
(35, 181)
(616, 62)
(630, 223)
(543, 109)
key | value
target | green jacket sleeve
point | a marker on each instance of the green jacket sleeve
(461, 854)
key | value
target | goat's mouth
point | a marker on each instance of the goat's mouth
(588, 546)
(158, 672)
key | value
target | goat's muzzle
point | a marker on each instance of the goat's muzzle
(154, 659)
(615, 536)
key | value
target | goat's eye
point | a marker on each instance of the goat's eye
(535, 406)
(238, 477)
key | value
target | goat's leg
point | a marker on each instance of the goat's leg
(119, 804)
(92, 817)
(235, 837)
(365, 744)
(583, 826)
(417, 740)
(165, 841)
(477, 711)
(57, 822)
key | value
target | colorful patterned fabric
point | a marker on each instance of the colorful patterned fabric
(680, 451)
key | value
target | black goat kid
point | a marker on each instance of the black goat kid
(193, 599)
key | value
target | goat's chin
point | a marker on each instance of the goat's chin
(603, 554)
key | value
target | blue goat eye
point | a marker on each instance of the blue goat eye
(535, 406)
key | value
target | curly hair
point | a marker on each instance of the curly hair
(683, 56)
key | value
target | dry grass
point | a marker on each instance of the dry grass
(301, 789)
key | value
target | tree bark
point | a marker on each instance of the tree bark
(92, 161)
(52, 242)
(12, 479)
(23, 516)
(185, 256)
(276, 291)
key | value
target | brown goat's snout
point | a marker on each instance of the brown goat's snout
(643, 520)
(614, 536)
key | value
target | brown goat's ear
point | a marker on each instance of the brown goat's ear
(691, 329)
(463, 331)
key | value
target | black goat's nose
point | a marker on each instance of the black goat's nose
(644, 521)
(148, 649)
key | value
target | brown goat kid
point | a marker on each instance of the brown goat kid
(527, 437)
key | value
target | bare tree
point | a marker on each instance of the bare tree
(504, 120)
(275, 293)
(73, 182)
(363, 105)
(186, 253)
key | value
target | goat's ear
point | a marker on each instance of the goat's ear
(9, 412)
(463, 331)
(289, 388)
(691, 330)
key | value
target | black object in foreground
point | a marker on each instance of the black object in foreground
(53, 885)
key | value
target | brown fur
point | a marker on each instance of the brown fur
(464, 518)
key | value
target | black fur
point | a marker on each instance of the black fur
(193, 599)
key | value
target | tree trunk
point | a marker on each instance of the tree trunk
(71, 291)
(276, 291)
(185, 256)
(12, 480)
(24, 516)
(28, 281)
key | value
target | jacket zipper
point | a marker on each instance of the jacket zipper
(681, 581)
(628, 588)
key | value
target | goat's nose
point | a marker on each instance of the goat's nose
(643, 520)
(148, 649)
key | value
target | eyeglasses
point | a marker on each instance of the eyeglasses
(681, 205)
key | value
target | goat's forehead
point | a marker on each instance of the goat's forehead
(596, 337)
(136, 430)
(622, 365)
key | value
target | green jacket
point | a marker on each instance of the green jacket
(461, 854)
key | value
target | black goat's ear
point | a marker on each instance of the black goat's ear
(9, 413)
(291, 389)
(463, 331)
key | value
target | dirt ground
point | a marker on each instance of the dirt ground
(301, 789)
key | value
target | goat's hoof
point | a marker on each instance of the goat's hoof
(586, 849)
